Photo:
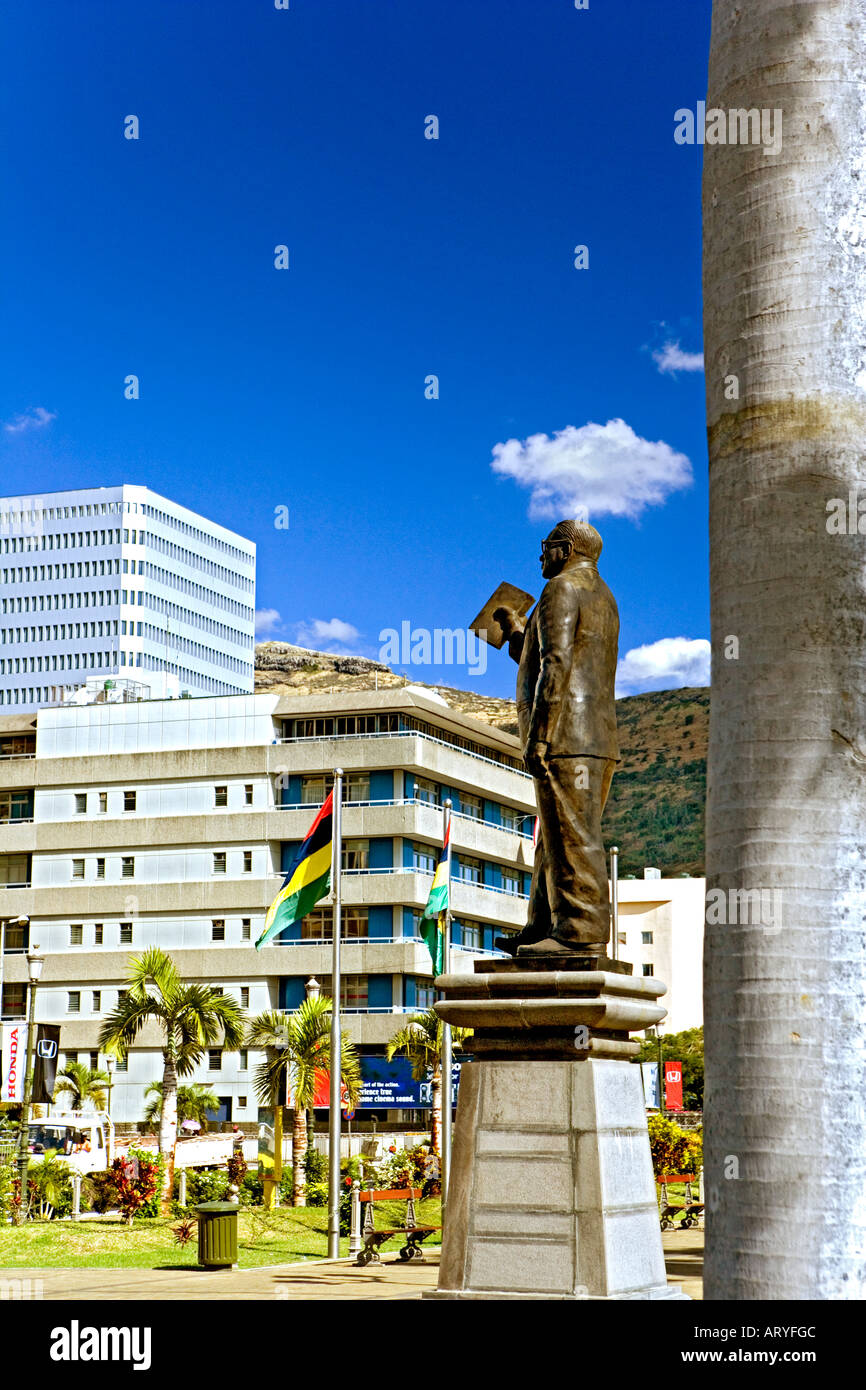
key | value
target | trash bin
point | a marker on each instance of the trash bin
(218, 1235)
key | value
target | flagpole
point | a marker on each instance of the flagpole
(336, 1031)
(445, 1165)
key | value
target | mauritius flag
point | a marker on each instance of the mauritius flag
(308, 880)
(433, 917)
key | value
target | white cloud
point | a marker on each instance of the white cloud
(321, 634)
(664, 665)
(672, 359)
(34, 419)
(267, 620)
(592, 471)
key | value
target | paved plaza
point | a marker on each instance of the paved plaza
(325, 1279)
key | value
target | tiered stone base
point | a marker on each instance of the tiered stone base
(567, 1007)
(552, 1193)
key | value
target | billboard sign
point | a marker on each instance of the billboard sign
(12, 1073)
(673, 1085)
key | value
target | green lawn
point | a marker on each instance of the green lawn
(264, 1238)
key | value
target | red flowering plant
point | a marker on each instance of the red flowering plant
(136, 1179)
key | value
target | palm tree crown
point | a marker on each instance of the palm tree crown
(299, 1043)
(81, 1084)
(421, 1042)
(192, 1017)
(193, 1103)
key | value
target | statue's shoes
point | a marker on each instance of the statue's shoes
(551, 947)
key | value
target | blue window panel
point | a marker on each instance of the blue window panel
(291, 792)
(288, 854)
(487, 935)
(409, 992)
(456, 932)
(292, 933)
(408, 922)
(493, 812)
(292, 992)
(382, 786)
(493, 875)
(380, 991)
(380, 922)
(382, 853)
(408, 785)
(407, 854)
(527, 883)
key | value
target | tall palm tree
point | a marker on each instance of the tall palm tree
(81, 1084)
(193, 1103)
(784, 330)
(297, 1049)
(421, 1042)
(192, 1018)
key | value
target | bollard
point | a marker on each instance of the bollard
(181, 1188)
(76, 1195)
(355, 1223)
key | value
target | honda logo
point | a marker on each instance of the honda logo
(46, 1048)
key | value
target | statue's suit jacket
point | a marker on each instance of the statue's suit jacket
(567, 672)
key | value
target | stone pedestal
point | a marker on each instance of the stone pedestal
(551, 1193)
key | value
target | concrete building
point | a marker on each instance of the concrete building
(171, 822)
(118, 583)
(661, 932)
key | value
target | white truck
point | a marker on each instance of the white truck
(85, 1140)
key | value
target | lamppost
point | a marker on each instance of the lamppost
(110, 1063)
(34, 970)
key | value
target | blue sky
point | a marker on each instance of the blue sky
(408, 257)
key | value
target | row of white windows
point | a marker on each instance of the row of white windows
(127, 864)
(195, 561)
(84, 801)
(95, 598)
(31, 521)
(62, 540)
(121, 1065)
(125, 936)
(74, 661)
(45, 574)
(195, 532)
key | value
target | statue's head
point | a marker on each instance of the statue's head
(569, 541)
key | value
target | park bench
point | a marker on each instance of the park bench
(692, 1211)
(413, 1233)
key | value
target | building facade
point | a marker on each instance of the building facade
(661, 932)
(171, 823)
(120, 584)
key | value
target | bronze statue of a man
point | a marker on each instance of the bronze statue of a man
(566, 654)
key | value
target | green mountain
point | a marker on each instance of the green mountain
(655, 812)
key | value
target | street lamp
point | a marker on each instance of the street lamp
(110, 1063)
(35, 963)
(313, 988)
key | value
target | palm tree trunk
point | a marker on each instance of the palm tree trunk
(299, 1148)
(436, 1110)
(785, 971)
(168, 1131)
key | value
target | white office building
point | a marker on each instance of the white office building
(119, 585)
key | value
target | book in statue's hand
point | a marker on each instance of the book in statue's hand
(506, 596)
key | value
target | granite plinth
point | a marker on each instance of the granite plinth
(552, 1194)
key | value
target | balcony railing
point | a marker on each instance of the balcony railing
(15, 885)
(456, 880)
(406, 733)
(313, 806)
(16, 820)
(383, 941)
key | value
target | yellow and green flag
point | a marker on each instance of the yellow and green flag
(433, 918)
(308, 880)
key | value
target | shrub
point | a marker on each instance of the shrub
(316, 1194)
(184, 1231)
(673, 1149)
(136, 1179)
(205, 1185)
(315, 1166)
(252, 1190)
